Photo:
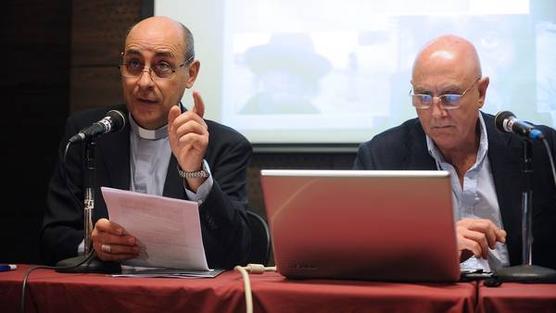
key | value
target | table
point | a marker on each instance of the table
(517, 297)
(273, 293)
(50, 291)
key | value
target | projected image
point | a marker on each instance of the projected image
(290, 71)
(287, 73)
(310, 77)
(546, 69)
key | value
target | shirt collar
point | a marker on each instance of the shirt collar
(148, 134)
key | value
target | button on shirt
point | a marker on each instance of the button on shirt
(476, 199)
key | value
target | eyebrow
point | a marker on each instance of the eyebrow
(157, 54)
(132, 52)
(452, 89)
(444, 90)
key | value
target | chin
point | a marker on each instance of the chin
(146, 118)
(145, 110)
(445, 142)
(443, 137)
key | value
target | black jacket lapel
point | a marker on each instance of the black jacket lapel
(116, 151)
(173, 186)
(504, 156)
(419, 157)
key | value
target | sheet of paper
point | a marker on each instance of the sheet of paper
(148, 272)
(168, 230)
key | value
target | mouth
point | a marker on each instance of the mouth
(442, 127)
(147, 101)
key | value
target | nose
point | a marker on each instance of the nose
(145, 80)
(436, 108)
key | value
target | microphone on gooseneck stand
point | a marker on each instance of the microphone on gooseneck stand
(506, 121)
(88, 263)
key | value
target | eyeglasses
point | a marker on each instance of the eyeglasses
(161, 70)
(448, 101)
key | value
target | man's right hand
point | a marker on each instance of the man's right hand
(475, 236)
(112, 242)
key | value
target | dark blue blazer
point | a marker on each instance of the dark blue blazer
(404, 148)
(226, 236)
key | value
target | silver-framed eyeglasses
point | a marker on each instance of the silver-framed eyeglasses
(448, 101)
(161, 70)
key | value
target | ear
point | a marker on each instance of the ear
(482, 86)
(192, 72)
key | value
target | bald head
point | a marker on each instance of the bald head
(157, 69)
(447, 51)
(450, 65)
(172, 27)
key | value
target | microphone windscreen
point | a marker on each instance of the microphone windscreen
(500, 118)
(117, 118)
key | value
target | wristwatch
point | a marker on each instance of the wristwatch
(202, 173)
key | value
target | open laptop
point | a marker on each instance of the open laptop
(362, 225)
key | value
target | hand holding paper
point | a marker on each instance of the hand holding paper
(112, 242)
(167, 230)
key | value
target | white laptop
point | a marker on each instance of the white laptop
(362, 225)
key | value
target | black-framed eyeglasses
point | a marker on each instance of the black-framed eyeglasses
(448, 101)
(161, 70)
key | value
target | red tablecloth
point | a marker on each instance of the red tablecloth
(50, 291)
(517, 297)
(273, 293)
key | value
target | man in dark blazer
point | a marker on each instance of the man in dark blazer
(163, 149)
(451, 133)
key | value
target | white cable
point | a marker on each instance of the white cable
(253, 269)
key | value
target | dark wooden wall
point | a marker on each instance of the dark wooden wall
(35, 38)
(98, 30)
(62, 57)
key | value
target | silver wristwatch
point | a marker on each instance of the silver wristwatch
(202, 173)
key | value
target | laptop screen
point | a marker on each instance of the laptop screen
(370, 225)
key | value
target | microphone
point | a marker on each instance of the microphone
(112, 122)
(507, 122)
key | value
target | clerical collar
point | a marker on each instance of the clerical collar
(148, 134)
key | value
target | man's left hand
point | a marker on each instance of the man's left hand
(189, 137)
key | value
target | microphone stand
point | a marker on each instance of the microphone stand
(526, 272)
(84, 263)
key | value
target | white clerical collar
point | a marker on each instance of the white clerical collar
(148, 134)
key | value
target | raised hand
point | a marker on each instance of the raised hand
(189, 137)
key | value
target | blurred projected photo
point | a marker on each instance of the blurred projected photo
(546, 68)
(287, 73)
(328, 71)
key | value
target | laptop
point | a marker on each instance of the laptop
(362, 225)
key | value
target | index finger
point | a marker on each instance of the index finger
(494, 234)
(198, 104)
(488, 228)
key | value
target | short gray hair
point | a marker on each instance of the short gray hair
(189, 52)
